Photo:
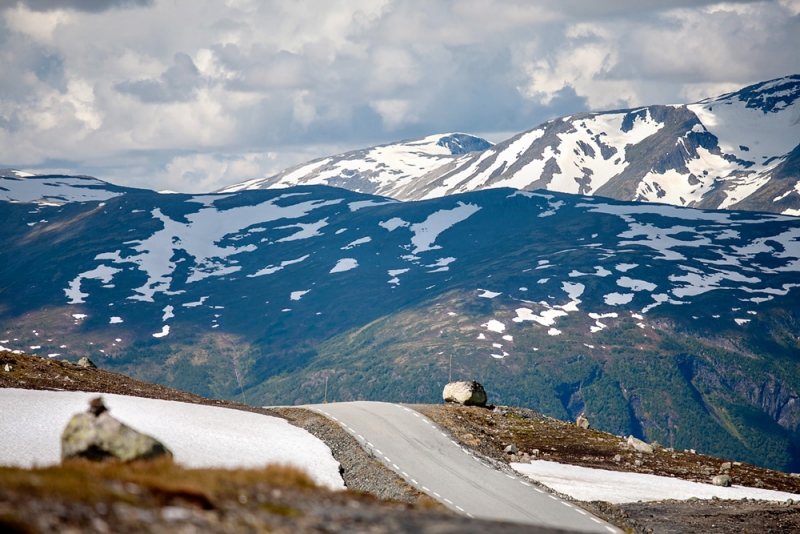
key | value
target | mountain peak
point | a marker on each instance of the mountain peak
(727, 152)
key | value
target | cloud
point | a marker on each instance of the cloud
(196, 95)
(90, 6)
(176, 84)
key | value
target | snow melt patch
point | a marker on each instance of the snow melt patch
(199, 436)
(356, 243)
(201, 238)
(636, 285)
(29, 188)
(394, 223)
(615, 299)
(275, 268)
(494, 326)
(103, 273)
(488, 294)
(588, 484)
(164, 332)
(549, 315)
(196, 303)
(115, 320)
(345, 264)
(297, 295)
(426, 232)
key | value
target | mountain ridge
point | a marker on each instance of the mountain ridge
(687, 155)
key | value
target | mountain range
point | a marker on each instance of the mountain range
(672, 324)
(736, 151)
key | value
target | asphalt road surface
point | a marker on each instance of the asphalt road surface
(418, 450)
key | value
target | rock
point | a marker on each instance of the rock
(639, 445)
(86, 362)
(536, 453)
(618, 458)
(7, 368)
(726, 466)
(468, 393)
(582, 422)
(638, 463)
(721, 480)
(511, 449)
(97, 436)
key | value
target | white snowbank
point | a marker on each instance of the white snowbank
(198, 436)
(587, 484)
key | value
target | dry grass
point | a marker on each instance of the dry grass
(162, 480)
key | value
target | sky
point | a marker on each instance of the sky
(193, 95)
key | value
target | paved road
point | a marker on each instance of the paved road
(418, 450)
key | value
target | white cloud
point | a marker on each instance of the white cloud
(37, 26)
(107, 88)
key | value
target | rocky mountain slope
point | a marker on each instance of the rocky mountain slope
(671, 324)
(735, 151)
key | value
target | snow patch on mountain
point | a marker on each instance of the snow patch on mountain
(55, 189)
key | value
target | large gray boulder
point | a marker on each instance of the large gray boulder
(95, 435)
(582, 422)
(468, 393)
(722, 480)
(639, 445)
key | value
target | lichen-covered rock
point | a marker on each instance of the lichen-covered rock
(97, 436)
(468, 393)
(582, 422)
(722, 480)
(86, 362)
(639, 445)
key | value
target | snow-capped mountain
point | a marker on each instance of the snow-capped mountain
(736, 151)
(653, 319)
(381, 170)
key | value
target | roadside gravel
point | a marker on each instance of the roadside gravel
(361, 471)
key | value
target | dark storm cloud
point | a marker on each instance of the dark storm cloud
(91, 6)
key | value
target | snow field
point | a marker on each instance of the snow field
(197, 435)
(588, 484)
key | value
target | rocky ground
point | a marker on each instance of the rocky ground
(50, 500)
(490, 431)
(161, 497)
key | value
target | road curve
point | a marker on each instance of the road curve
(418, 450)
